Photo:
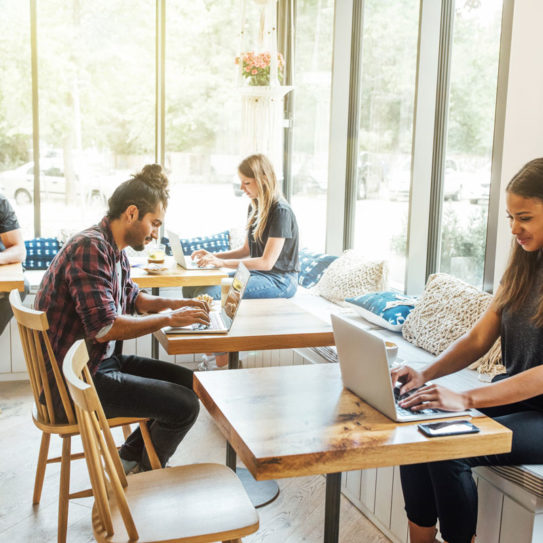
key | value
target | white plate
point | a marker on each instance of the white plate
(156, 269)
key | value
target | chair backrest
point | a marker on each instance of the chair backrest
(40, 360)
(103, 462)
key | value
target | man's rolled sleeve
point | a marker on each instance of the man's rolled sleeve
(89, 276)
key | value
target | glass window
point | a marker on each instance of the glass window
(312, 83)
(96, 93)
(203, 117)
(16, 167)
(388, 70)
(472, 101)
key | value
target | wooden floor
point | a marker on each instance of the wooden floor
(295, 516)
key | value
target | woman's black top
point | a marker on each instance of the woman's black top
(281, 223)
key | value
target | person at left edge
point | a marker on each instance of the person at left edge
(12, 251)
(87, 293)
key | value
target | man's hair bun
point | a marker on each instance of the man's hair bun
(154, 175)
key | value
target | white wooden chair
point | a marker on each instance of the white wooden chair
(193, 504)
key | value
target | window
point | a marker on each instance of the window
(473, 80)
(96, 95)
(312, 82)
(16, 167)
(388, 69)
(202, 117)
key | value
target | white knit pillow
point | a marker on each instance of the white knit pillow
(447, 309)
(351, 275)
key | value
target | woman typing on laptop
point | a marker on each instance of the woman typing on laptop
(270, 250)
(446, 490)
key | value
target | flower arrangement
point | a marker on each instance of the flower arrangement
(256, 67)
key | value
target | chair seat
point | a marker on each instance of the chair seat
(73, 429)
(195, 503)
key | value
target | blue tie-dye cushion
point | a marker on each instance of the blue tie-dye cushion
(312, 266)
(40, 252)
(386, 309)
(216, 243)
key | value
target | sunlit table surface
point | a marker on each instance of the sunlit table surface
(11, 276)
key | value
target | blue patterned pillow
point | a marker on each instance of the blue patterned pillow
(40, 252)
(387, 309)
(214, 244)
(312, 266)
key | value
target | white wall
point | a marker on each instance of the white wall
(523, 134)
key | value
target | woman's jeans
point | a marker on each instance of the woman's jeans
(260, 285)
(446, 490)
(134, 386)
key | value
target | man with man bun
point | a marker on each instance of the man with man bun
(87, 293)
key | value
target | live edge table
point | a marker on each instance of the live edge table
(259, 325)
(293, 421)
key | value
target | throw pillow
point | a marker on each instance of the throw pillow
(351, 275)
(312, 266)
(386, 309)
(40, 252)
(447, 309)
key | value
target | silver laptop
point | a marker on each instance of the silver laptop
(364, 371)
(221, 320)
(184, 261)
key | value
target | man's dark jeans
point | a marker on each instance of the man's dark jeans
(134, 386)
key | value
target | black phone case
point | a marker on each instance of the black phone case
(468, 428)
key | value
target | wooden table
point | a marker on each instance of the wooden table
(274, 323)
(293, 421)
(11, 276)
(175, 276)
(260, 324)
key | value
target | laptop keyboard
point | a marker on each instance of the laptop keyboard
(406, 412)
(215, 322)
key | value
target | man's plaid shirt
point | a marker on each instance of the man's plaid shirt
(79, 291)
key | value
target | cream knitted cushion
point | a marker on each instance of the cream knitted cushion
(351, 275)
(447, 309)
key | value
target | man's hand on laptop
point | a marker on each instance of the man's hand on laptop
(189, 302)
(187, 315)
(435, 396)
(204, 258)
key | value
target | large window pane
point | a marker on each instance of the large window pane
(388, 69)
(312, 80)
(16, 168)
(474, 71)
(96, 93)
(203, 116)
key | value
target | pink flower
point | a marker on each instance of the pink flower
(254, 72)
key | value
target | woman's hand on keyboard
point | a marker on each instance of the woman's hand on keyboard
(435, 397)
(189, 315)
(407, 377)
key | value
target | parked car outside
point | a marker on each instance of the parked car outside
(19, 183)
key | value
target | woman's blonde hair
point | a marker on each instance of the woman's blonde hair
(259, 168)
(519, 277)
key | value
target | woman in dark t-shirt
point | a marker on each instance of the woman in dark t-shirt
(446, 491)
(270, 250)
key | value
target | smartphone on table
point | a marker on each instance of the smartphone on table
(448, 428)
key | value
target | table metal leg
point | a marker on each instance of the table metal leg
(233, 361)
(230, 457)
(331, 509)
(154, 341)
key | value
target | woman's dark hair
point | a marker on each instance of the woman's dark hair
(145, 190)
(521, 271)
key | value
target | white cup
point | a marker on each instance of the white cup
(392, 352)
